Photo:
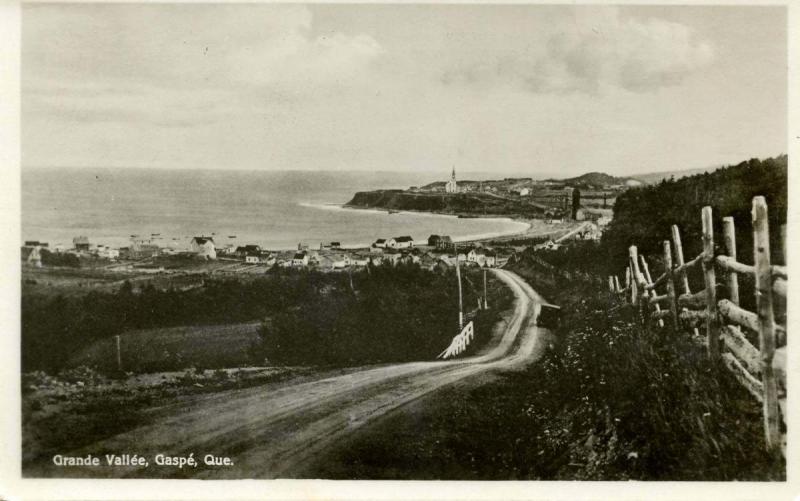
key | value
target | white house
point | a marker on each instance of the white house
(523, 192)
(252, 259)
(340, 261)
(392, 257)
(204, 247)
(380, 243)
(300, 259)
(107, 252)
(404, 242)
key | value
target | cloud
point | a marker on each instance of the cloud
(599, 50)
(149, 64)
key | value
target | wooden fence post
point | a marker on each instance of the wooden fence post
(729, 236)
(633, 255)
(628, 287)
(616, 283)
(684, 278)
(673, 302)
(711, 284)
(676, 241)
(766, 320)
(653, 294)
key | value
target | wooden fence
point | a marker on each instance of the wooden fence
(459, 343)
(668, 298)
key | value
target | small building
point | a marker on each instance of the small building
(106, 252)
(523, 192)
(433, 240)
(142, 248)
(228, 250)
(32, 255)
(336, 245)
(360, 260)
(81, 243)
(380, 243)
(247, 250)
(491, 259)
(375, 249)
(445, 243)
(252, 259)
(404, 242)
(300, 259)
(392, 257)
(339, 261)
(204, 247)
(302, 246)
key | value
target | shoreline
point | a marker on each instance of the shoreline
(479, 237)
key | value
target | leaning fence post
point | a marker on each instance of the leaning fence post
(729, 236)
(676, 242)
(766, 320)
(633, 255)
(611, 284)
(711, 284)
(616, 283)
(653, 294)
(673, 302)
(628, 287)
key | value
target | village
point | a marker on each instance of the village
(567, 217)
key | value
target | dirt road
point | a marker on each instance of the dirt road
(273, 433)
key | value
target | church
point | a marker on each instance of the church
(451, 186)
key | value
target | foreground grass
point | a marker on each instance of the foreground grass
(608, 403)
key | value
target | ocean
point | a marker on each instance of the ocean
(276, 210)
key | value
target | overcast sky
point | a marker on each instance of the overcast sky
(528, 89)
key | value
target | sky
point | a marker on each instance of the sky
(532, 89)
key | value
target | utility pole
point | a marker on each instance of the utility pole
(460, 299)
(485, 295)
(118, 352)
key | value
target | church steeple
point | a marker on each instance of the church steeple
(451, 186)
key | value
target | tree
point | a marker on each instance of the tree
(576, 202)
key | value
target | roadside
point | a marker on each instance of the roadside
(606, 404)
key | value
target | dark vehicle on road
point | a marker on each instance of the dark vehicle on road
(549, 316)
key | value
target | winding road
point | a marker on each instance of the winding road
(275, 433)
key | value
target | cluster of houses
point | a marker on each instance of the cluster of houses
(437, 251)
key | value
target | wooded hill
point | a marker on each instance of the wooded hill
(643, 216)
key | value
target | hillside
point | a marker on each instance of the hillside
(643, 216)
(598, 179)
(657, 177)
(462, 203)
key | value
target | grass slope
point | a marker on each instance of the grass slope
(608, 403)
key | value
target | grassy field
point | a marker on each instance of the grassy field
(174, 348)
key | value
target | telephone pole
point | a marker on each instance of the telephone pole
(460, 299)
(485, 295)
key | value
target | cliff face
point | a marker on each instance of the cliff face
(462, 203)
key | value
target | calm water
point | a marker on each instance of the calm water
(274, 209)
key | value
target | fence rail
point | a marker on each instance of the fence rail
(761, 370)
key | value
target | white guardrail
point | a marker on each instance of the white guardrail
(460, 342)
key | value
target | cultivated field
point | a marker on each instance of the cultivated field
(174, 348)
